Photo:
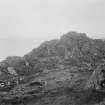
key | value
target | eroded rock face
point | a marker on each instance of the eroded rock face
(97, 79)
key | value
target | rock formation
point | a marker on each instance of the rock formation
(66, 71)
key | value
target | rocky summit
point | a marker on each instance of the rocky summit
(65, 71)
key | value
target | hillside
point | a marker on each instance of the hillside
(67, 71)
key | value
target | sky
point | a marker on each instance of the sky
(25, 24)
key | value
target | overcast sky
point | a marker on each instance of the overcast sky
(24, 24)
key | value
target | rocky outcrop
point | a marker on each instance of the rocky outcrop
(74, 49)
(67, 71)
